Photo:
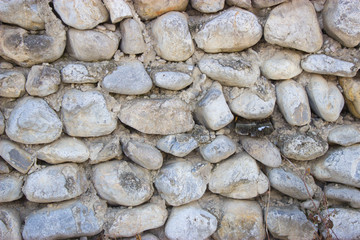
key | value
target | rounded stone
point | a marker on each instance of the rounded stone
(172, 80)
(12, 84)
(11, 185)
(178, 145)
(149, 9)
(118, 10)
(344, 135)
(351, 91)
(132, 41)
(205, 6)
(42, 81)
(221, 148)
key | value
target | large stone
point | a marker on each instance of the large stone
(221, 148)
(10, 224)
(85, 114)
(178, 145)
(293, 103)
(294, 24)
(92, 45)
(118, 10)
(42, 81)
(12, 84)
(81, 14)
(343, 193)
(231, 31)
(239, 3)
(342, 21)
(172, 37)
(143, 154)
(157, 116)
(55, 183)
(344, 135)
(172, 80)
(149, 9)
(77, 73)
(132, 41)
(205, 6)
(15, 156)
(128, 78)
(102, 149)
(2, 123)
(351, 90)
(10, 189)
(339, 165)
(122, 183)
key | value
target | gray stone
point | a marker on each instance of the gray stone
(172, 37)
(294, 24)
(219, 149)
(157, 116)
(15, 156)
(344, 135)
(341, 21)
(81, 14)
(343, 193)
(172, 80)
(143, 154)
(69, 219)
(85, 114)
(10, 189)
(266, 3)
(323, 64)
(239, 3)
(262, 150)
(293, 103)
(182, 180)
(132, 41)
(325, 98)
(77, 73)
(4, 167)
(233, 30)
(178, 145)
(2, 123)
(289, 223)
(212, 110)
(205, 6)
(55, 183)
(129, 78)
(149, 9)
(12, 84)
(10, 224)
(92, 45)
(102, 149)
(339, 165)
(122, 183)
(42, 81)
(238, 177)
(118, 10)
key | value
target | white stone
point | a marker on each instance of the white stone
(118, 10)
(77, 73)
(343, 193)
(18, 158)
(178, 145)
(12, 84)
(344, 135)
(219, 149)
(132, 41)
(42, 81)
(11, 185)
(172, 80)
(206, 6)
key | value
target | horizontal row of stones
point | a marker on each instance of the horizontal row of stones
(233, 30)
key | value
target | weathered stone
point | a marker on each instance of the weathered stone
(262, 150)
(118, 10)
(55, 183)
(339, 165)
(85, 114)
(239, 3)
(81, 14)
(233, 30)
(289, 223)
(149, 9)
(232, 69)
(143, 154)
(212, 110)
(344, 135)
(221, 148)
(266, 3)
(325, 98)
(146, 236)
(293, 103)
(15, 156)
(253, 128)
(10, 189)
(343, 193)
(172, 37)
(102, 149)
(92, 45)
(129, 78)
(12, 84)
(4, 167)
(342, 21)
(157, 116)
(70, 219)
(351, 90)
(10, 224)
(132, 41)
(122, 183)
(77, 73)
(2, 123)
(208, 6)
(178, 145)
(294, 24)
(42, 81)
(172, 80)
(183, 180)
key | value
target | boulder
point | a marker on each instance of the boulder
(42, 81)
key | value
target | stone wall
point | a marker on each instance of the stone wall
(199, 119)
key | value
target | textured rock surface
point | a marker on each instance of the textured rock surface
(11, 185)
(77, 73)
(221, 148)
(2, 123)
(143, 154)
(16, 156)
(102, 149)
(239, 3)
(153, 8)
(208, 6)
(172, 80)
(132, 40)
(118, 10)
(42, 81)
(178, 145)
(351, 87)
(266, 3)
(12, 84)
(10, 224)
(4, 167)
(344, 135)
(343, 193)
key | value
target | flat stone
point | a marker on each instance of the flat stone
(212, 110)
(85, 114)
(266, 3)
(143, 154)
(341, 21)
(233, 30)
(293, 103)
(239, 3)
(42, 81)
(325, 98)
(339, 165)
(81, 14)
(172, 37)
(10, 224)
(149, 9)
(343, 193)
(351, 91)
(69, 219)
(2, 123)
(132, 41)
(344, 135)
(12, 84)
(92, 45)
(11, 185)
(219, 149)
(129, 78)
(294, 25)
(102, 149)
(259, 128)
(118, 10)
(157, 116)
(172, 80)
(122, 183)
(208, 6)
(4, 167)
(15, 156)
(262, 150)
(289, 223)
(178, 145)
(77, 73)
(55, 183)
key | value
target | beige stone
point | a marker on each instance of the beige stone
(12, 84)
(351, 87)
(132, 41)
(118, 10)
(206, 6)
(149, 9)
